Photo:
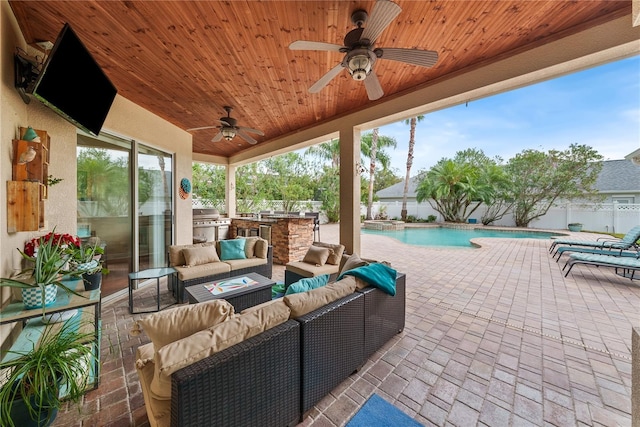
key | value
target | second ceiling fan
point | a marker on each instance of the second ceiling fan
(229, 129)
(360, 54)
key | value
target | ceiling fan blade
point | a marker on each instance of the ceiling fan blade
(423, 58)
(308, 45)
(383, 13)
(372, 85)
(246, 129)
(217, 138)
(324, 80)
(204, 127)
(245, 136)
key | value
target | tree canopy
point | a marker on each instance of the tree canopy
(539, 179)
(295, 177)
(456, 187)
(528, 185)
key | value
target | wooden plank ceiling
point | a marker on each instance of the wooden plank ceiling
(185, 60)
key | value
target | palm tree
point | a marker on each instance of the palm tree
(327, 151)
(372, 169)
(372, 146)
(412, 140)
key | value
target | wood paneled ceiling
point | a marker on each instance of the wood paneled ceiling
(185, 60)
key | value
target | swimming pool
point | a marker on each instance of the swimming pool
(444, 236)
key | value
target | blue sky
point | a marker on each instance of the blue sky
(599, 107)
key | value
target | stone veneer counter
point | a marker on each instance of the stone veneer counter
(291, 235)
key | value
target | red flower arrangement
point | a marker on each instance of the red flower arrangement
(31, 247)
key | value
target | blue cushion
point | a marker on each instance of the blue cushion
(307, 284)
(232, 249)
(375, 274)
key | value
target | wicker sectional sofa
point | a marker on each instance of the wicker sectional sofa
(258, 259)
(275, 377)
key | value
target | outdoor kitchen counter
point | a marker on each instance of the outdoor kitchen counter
(291, 235)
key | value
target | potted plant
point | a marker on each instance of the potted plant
(575, 226)
(87, 260)
(39, 380)
(48, 257)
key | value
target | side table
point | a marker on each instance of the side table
(151, 273)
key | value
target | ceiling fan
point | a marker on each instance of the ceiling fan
(229, 129)
(359, 51)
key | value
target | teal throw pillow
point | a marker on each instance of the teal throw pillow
(307, 284)
(232, 249)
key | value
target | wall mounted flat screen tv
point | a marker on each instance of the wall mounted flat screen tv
(73, 84)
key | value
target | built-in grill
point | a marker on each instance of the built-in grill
(208, 226)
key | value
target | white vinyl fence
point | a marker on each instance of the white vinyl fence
(604, 217)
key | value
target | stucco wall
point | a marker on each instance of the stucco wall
(12, 113)
(125, 119)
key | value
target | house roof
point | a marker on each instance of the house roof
(185, 60)
(619, 176)
(396, 191)
(616, 176)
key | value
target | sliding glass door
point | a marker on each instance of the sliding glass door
(154, 194)
(125, 200)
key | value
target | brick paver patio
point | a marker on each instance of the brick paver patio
(495, 336)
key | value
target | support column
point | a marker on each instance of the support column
(350, 189)
(230, 191)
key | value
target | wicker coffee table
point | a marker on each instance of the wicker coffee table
(242, 291)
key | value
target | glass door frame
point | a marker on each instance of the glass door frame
(133, 150)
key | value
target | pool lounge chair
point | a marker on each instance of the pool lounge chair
(579, 249)
(629, 240)
(628, 265)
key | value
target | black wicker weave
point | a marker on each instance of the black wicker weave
(384, 315)
(240, 302)
(265, 270)
(253, 383)
(276, 377)
(332, 339)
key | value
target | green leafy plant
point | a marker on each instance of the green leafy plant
(88, 254)
(52, 180)
(53, 371)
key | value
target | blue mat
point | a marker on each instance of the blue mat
(379, 413)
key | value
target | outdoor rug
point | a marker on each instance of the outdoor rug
(379, 413)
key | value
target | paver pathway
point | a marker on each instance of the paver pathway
(494, 336)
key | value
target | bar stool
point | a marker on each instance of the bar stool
(316, 224)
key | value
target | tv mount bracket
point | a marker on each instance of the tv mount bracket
(26, 72)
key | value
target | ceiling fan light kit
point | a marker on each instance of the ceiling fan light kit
(359, 63)
(360, 55)
(228, 133)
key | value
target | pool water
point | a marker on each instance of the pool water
(442, 236)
